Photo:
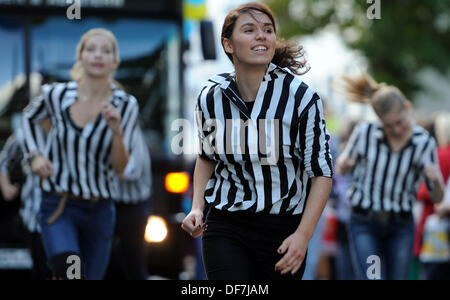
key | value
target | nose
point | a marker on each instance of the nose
(260, 35)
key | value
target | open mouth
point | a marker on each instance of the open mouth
(260, 49)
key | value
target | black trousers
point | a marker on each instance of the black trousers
(130, 230)
(243, 245)
(40, 270)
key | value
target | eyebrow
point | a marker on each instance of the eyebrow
(253, 24)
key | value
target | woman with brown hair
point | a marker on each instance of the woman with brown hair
(388, 161)
(264, 172)
(92, 125)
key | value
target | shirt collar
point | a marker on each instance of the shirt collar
(72, 95)
(230, 90)
(225, 79)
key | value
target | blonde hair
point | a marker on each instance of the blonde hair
(383, 98)
(77, 72)
(442, 128)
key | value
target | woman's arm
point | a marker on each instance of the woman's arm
(32, 115)
(344, 164)
(119, 153)
(433, 174)
(193, 223)
(297, 243)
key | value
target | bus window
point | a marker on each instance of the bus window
(149, 67)
(12, 62)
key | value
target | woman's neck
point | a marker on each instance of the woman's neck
(248, 80)
(93, 88)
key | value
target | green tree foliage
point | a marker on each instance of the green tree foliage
(410, 35)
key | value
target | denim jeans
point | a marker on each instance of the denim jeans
(85, 228)
(392, 241)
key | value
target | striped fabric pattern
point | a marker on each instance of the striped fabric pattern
(384, 179)
(80, 156)
(265, 158)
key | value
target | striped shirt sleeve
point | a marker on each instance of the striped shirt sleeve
(9, 150)
(353, 145)
(204, 147)
(430, 157)
(134, 169)
(317, 157)
(32, 114)
(129, 121)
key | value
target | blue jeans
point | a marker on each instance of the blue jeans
(85, 228)
(392, 241)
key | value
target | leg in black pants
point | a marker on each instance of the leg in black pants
(40, 270)
(130, 229)
(243, 246)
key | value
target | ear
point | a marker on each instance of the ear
(227, 46)
(408, 105)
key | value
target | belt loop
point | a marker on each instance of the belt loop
(59, 210)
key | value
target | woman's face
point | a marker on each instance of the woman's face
(98, 57)
(397, 124)
(253, 40)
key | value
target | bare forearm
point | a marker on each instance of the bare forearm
(318, 197)
(202, 173)
(4, 180)
(119, 154)
(437, 193)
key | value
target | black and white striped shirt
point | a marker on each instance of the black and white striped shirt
(265, 158)
(135, 185)
(30, 191)
(384, 179)
(80, 156)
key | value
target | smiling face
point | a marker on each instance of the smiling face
(98, 57)
(253, 40)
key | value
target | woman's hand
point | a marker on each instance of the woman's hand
(112, 117)
(344, 164)
(193, 223)
(433, 173)
(42, 166)
(442, 209)
(9, 190)
(296, 245)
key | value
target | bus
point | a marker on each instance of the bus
(38, 41)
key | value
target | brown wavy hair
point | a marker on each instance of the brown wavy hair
(287, 54)
(383, 98)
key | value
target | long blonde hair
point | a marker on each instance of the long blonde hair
(77, 72)
(383, 98)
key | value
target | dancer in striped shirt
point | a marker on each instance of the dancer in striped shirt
(265, 168)
(388, 161)
(93, 124)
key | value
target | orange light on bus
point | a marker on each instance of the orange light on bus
(177, 182)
